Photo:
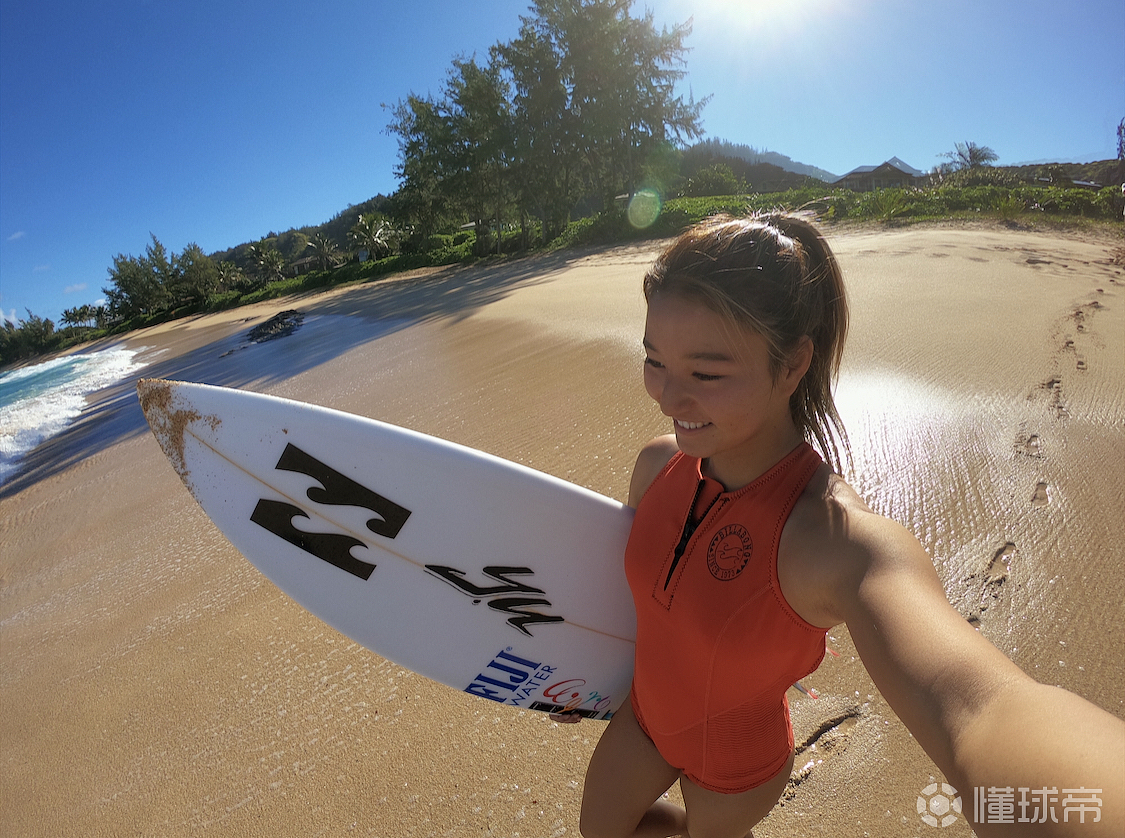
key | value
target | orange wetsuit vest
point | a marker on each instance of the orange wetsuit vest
(717, 644)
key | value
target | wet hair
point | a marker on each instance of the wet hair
(775, 275)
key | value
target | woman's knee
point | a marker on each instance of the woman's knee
(594, 822)
(661, 818)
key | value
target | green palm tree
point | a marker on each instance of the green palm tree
(374, 235)
(970, 156)
(230, 276)
(73, 316)
(83, 315)
(324, 249)
(268, 263)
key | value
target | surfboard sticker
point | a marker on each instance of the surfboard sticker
(482, 574)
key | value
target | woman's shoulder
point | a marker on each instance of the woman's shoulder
(830, 543)
(650, 462)
(829, 512)
(832, 520)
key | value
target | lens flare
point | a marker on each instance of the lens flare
(644, 208)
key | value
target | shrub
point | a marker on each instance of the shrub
(884, 204)
(979, 176)
(1109, 202)
(1081, 202)
(225, 300)
(1009, 207)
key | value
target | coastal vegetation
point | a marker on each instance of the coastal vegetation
(188, 283)
(568, 135)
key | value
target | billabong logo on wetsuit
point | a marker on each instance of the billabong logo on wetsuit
(729, 552)
(495, 594)
(334, 490)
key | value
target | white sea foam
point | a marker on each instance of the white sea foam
(39, 401)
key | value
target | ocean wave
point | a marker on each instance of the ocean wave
(39, 401)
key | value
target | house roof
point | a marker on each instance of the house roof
(894, 163)
(904, 167)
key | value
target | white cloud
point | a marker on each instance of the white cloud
(19, 234)
(9, 316)
(74, 289)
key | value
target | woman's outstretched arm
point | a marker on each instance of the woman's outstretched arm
(983, 721)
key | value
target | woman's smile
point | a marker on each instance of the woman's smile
(690, 426)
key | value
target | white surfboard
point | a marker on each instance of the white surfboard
(479, 573)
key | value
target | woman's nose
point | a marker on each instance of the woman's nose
(672, 398)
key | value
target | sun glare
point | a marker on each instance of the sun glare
(764, 22)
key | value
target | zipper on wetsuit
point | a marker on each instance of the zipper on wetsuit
(690, 526)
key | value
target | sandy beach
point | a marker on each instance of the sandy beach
(153, 683)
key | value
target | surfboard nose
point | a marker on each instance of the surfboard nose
(167, 423)
(148, 389)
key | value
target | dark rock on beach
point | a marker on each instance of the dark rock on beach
(279, 326)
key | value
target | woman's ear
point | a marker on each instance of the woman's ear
(796, 366)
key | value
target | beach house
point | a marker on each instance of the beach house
(890, 175)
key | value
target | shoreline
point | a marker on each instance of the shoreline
(155, 683)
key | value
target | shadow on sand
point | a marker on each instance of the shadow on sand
(370, 311)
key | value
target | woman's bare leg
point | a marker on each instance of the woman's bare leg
(624, 783)
(711, 814)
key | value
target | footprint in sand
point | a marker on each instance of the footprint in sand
(1028, 445)
(1054, 387)
(1082, 314)
(1080, 364)
(829, 739)
(1002, 560)
(1041, 497)
(995, 577)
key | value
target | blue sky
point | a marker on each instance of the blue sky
(219, 122)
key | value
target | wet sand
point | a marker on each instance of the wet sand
(153, 683)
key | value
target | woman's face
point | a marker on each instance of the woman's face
(713, 379)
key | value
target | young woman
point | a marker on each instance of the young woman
(747, 547)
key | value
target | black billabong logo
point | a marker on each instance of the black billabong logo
(497, 594)
(334, 490)
(729, 552)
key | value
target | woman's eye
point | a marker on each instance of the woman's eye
(702, 376)
(654, 364)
